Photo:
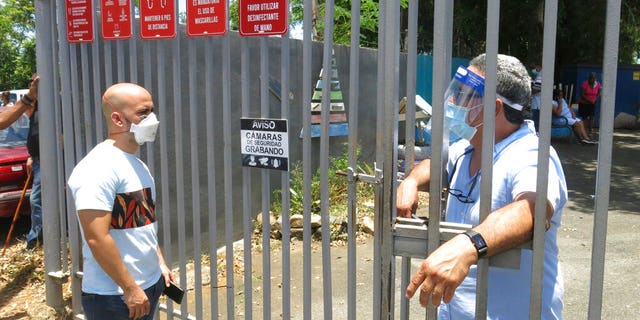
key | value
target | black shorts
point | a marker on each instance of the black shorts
(586, 110)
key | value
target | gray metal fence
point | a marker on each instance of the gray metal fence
(207, 200)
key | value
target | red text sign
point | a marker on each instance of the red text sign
(263, 17)
(79, 21)
(157, 19)
(206, 17)
(116, 19)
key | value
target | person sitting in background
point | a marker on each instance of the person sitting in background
(561, 110)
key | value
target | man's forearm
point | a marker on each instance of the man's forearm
(511, 225)
(106, 253)
(421, 174)
(11, 114)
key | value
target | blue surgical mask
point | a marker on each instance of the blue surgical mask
(455, 120)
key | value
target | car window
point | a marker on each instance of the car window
(16, 134)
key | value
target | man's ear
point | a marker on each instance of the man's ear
(499, 107)
(116, 118)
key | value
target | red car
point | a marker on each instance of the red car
(13, 168)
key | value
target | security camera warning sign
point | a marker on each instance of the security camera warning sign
(265, 143)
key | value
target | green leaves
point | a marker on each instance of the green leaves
(17, 44)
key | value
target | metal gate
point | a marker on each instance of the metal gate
(202, 87)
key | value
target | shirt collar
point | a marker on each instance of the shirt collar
(525, 129)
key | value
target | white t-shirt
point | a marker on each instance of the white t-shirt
(112, 180)
(514, 172)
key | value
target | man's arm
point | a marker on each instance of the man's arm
(95, 224)
(407, 193)
(166, 272)
(443, 271)
(12, 114)
(556, 108)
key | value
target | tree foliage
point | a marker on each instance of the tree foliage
(17, 44)
(580, 30)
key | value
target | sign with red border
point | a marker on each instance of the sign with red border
(79, 21)
(157, 19)
(263, 17)
(206, 18)
(116, 19)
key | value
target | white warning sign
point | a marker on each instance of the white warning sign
(265, 143)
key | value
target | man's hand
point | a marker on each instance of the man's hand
(167, 275)
(29, 165)
(443, 271)
(137, 302)
(407, 198)
(33, 87)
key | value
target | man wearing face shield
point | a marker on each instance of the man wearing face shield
(447, 277)
(114, 192)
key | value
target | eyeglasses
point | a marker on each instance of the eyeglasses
(458, 194)
(461, 196)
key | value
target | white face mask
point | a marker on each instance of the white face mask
(145, 130)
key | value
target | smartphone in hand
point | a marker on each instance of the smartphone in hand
(174, 292)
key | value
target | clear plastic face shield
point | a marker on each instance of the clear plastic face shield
(463, 104)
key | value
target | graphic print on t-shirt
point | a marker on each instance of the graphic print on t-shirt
(133, 209)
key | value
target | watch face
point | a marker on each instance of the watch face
(480, 242)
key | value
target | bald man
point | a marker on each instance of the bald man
(114, 192)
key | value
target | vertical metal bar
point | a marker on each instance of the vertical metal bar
(108, 65)
(603, 182)
(306, 156)
(120, 61)
(285, 176)
(410, 115)
(194, 113)
(165, 203)
(63, 234)
(96, 71)
(324, 157)
(148, 84)
(211, 179)
(410, 118)
(493, 22)
(133, 54)
(63, 71)
(75, 99)
(86, 94)
(44, 45)
(266, 197)
(354, 84)
(377, 235)
(539, 234)
(228, 178)
(179, 161)
(389, 139)
(246, 181)
(442, 39)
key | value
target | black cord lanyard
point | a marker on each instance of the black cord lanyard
(446, 189)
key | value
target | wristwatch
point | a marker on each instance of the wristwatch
(478, 242)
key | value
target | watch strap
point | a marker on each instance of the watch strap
(478, 242)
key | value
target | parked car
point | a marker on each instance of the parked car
(13, 168)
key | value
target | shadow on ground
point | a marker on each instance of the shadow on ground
(580, 163)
